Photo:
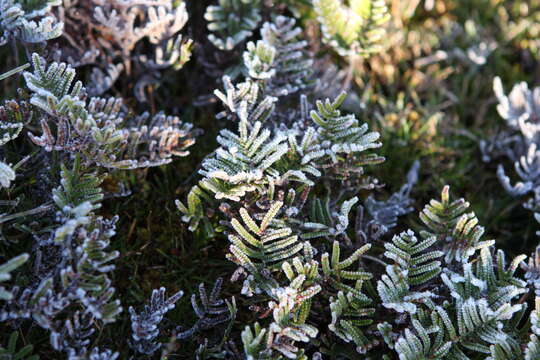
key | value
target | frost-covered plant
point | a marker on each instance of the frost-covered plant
(69, 292)
(98, 129)
(28, 21)
(317, 268)
(274, 154)
(278, 61)
(383, 215)
(8, 132)
(354, 28)
(285, 191)
(520, 142)
(138, 39)
(128, 22)
(145, 326)
(75, 291)
(256, 160)
(444, 294)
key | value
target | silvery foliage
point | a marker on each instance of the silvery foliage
(483, 296)
(278, 61)
(252, 161)
(99, 129)
(145, 326)
(315, 138)
(451, 293)
(519, 143)
(69, 293)
(7, 175)
(532, 271)
(129, 26)
(276, 66)
(101, 81)
(28, 22)
(72, 293)
(294, 247)
(444, 293)
(78, 279)
(119, 18)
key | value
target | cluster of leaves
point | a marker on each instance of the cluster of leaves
(519, 142)
(131, 42)
(295, 157)
(82, 140)
(28, 21)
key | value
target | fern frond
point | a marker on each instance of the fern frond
(232, 21)
(145, 325)
(245, 102)
(98, 128)
(254, 343)
(418, 345)
(262, 248)
(449, 222)
(244, 162)
(478, 327)
(77, 187)
(340, 134)
(277, 61)
(210, 309)
(335, 273)
(349, 315)
(92, 262)
(413, 266)
(496, 284)
(286, 329)
(410, 254)
(532, 270)
(328, 225)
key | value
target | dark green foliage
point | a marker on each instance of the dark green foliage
(11, 351)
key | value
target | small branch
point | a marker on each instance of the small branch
(13, 71)
(34, 211)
